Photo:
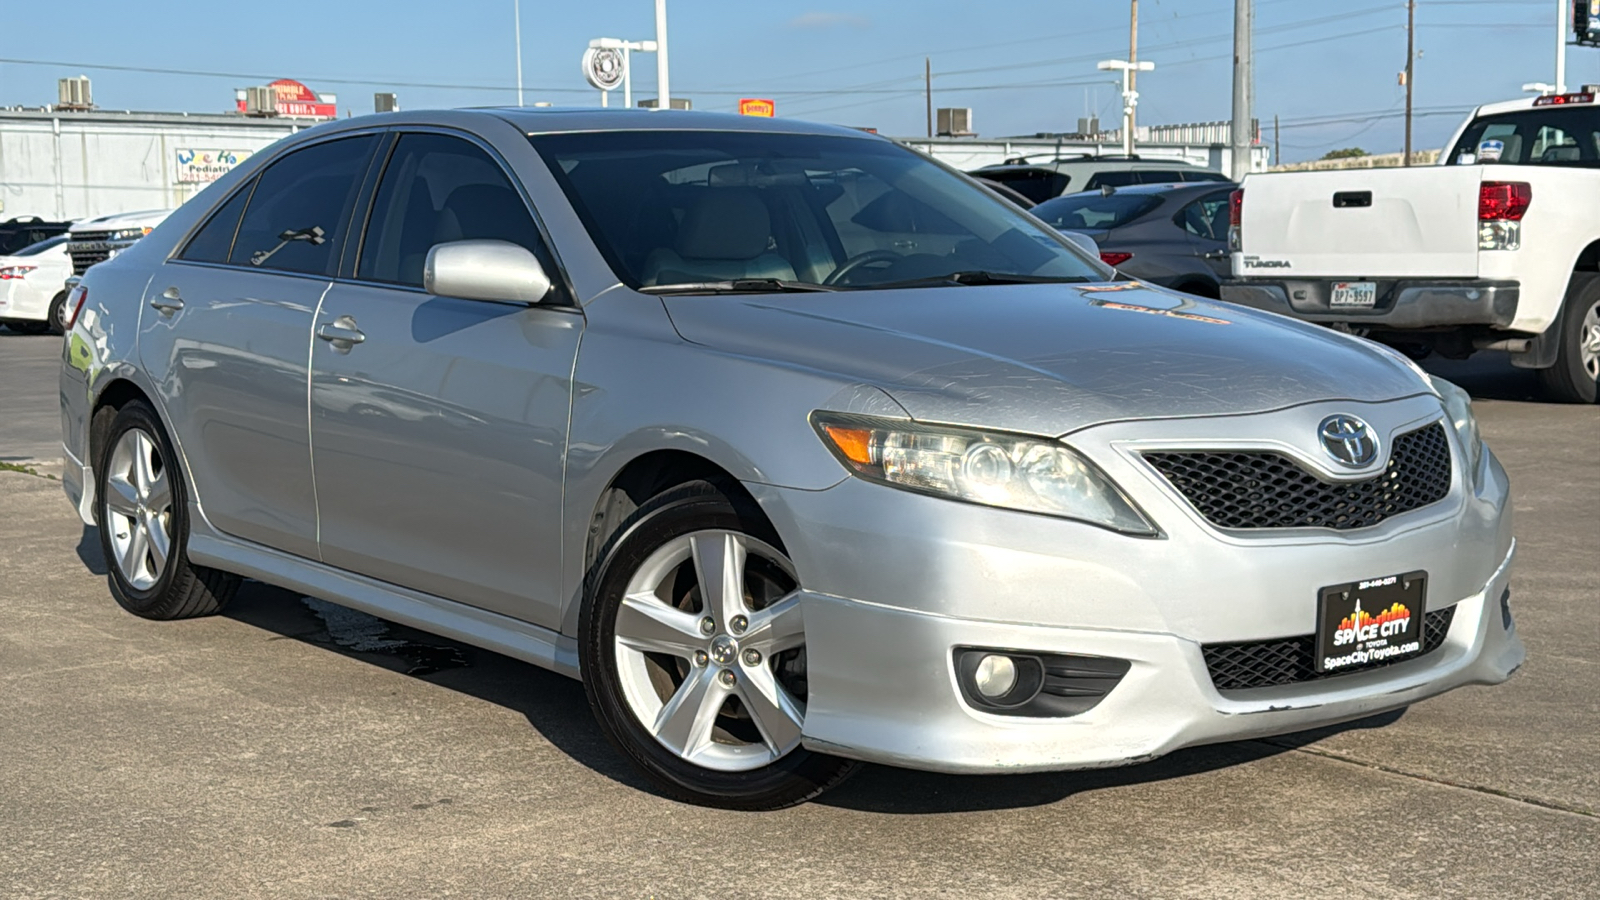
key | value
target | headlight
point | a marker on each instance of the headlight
(1036, 475)
(1458, 406)
(128, 234)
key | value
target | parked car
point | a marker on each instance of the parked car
(1497, 248)
(1041, 179)
(25, 231)
(1021, 201)
(31, 286)
(1173, 235)
(797, 448)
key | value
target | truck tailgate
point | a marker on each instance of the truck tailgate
(1356, 223)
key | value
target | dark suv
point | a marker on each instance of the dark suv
(25, 231)
(1042, 179)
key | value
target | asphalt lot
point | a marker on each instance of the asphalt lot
(296, 749)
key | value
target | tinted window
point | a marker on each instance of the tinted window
(1160, 176)
(677, 207)
(1037, 185)
(1207, 217)
(1546, 136)
(214, 240)
(301, 207)
(1203, 175)
(438, 189)
(1093, 211)
(42, 246)
(1115, 179)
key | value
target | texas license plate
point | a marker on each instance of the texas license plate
(1355, 293)
(1365, 623)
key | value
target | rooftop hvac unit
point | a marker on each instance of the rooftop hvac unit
(385, 103)
(261, 101)
(677, 103)
(75, 93)
(955, 121)
(1089, 126)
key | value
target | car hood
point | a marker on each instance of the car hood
(1050, 359)
(150, 217)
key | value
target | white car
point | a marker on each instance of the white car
(32, 287)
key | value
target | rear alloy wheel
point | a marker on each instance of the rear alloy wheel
(1575, 377)
(144, 525)
(55, 320)
(694, 655)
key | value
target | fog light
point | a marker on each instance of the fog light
(995, 676)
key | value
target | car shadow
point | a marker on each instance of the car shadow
(1489, 376)
(556, 707)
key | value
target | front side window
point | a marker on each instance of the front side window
(1543, 136)
(437, 189)
(300, 208)
(670, 208)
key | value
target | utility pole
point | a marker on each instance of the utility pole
(1277, 148)
(927, 89)
(1130, 97)
(663, 90)
(1243, 84)
(1133, 56)
(1563, 7)
(1411, 56)
(516, 28)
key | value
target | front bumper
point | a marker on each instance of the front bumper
(1402, 304)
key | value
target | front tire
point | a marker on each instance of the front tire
(693, 654)
(55, 319)
(1575, 377)
(144, 524)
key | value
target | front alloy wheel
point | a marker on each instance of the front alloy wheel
(694, 657)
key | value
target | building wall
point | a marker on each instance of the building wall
(970, 153)
(68, 165)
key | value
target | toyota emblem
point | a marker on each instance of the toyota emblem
(1348, 440)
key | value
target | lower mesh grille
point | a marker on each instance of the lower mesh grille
(1235, 667)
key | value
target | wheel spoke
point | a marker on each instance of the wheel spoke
(685, 722)
(777, 628)
(160, 544)
(159, 497)
(776, 714)
(719, 565)
(121, 496)
(133, 556)
(648, 625)
(143, 470)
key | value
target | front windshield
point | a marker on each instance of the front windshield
(693, 207)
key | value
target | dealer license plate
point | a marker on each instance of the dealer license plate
(1365, 623)
(1355, 293)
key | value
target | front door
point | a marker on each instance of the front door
(439, 425)
(225, 335)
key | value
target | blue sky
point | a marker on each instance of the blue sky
(1328, 70)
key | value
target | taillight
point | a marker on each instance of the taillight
(10, 272)
(1114, 259)
(1236, 207)
(73, 306)
(1503, 200)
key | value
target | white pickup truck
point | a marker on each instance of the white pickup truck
(1495, 248)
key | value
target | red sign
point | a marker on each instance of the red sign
(298, 101)
(750, 106)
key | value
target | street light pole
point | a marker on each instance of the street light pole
(516, 21)
(1242, 138)
(1562, 6)
(663, 90)
(1130, 97)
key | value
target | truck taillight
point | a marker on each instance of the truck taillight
(1113, 258)
(1503, 200)
(1236, 219)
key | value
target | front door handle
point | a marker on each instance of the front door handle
(1215, 254)
(342, 333)
(169, 302)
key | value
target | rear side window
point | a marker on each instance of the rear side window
(1207, 217)
(1203, 175)
(42, 246)
(438, 189)
(214, 241)
(1115, 179)
(1037, 185)
(1094, 212)
(300, 209)
(1545, 136)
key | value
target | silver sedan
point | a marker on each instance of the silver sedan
(798, 448)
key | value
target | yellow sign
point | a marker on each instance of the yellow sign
(750, 106)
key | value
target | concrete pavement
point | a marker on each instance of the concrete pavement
(282, 750)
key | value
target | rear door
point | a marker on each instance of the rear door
(1353, 223)
(440, 436)
(227, 338)
(1205, 221)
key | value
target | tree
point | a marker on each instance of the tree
(1346, 153)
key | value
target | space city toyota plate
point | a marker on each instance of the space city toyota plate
(1370, 622)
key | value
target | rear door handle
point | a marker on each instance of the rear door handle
(342, 333)
(169, 302)
(1215, 254)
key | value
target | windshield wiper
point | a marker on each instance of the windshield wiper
(978, 277)
(738, 286)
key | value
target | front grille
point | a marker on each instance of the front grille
(87, 248)
(1262, 489)
(1235, 667)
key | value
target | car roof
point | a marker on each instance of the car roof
(1122, 164)
(1172, 187)
(555, 120)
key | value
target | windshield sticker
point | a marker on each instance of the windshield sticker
(1489, 151)
(1114, 286)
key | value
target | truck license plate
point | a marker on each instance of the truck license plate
(1355, 293)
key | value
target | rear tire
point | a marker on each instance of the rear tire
(53, 321)
(702, 689)
(1575, 377)
(142, 507)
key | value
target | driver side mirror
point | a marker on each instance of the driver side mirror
(1082, 242)
(498, 271)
